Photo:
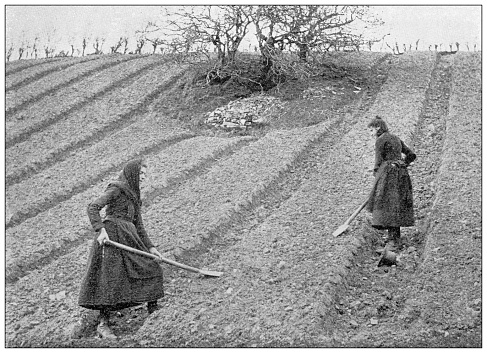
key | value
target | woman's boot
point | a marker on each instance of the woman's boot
(103, 327)
(152, 306)
(394, 239)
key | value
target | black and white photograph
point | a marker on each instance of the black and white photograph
(230, 175)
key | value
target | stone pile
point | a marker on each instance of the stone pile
(243, 113)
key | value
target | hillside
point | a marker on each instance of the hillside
(259, 203)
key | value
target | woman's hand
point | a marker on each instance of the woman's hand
(102, 237)
(154, 251)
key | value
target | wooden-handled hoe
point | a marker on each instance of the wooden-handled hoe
(162, 259)
(345, 225)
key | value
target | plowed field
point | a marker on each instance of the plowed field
(259, 204)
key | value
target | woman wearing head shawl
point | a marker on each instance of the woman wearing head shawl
(117, 279)
(391, 198)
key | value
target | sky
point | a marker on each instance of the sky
(433, 24)
(405, 23)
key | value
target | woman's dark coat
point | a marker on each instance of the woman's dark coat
(391, 198)
(116, 278)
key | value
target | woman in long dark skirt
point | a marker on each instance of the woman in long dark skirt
(115, 278)
(391, 198)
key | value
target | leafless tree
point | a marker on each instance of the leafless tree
(155, 43)
(311, 27)
(9, 52)
(62, 54)
(21, 50)
(146, 34)
(71, 41)
(34, 46)
(417, 44)
(187, 29)
(22, 46)
(118, 45)
(84, 44)
(140, 45)
(126, 44)
(50, 41)
(280, 31)
(392, 48)
(458, 46)
(49, 51)
(98, 45)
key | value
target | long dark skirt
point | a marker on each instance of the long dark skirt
(391, 198)
(116, 279)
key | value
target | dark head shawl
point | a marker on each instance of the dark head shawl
(129, 180)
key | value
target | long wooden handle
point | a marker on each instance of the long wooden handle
(155, 257)
(356, 212)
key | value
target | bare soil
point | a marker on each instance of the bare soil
(287, 282)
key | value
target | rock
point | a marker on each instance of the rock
(353, 323)
(58, 296)
(229, 290)
(281, 265)
(243, 112)
(374, 321)
(230, 124)
(355, 303)
(289, 308)
(472, 312)
(75, 331)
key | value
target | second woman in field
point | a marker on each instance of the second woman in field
(391, 199)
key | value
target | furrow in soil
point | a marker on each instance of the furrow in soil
(206, 190)
(14, 67)
(41, 116)
(12, 83)
(21, 99)
(391, 295)
(66, 137)
(36, 243)
(73, 175)
(286, 269)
